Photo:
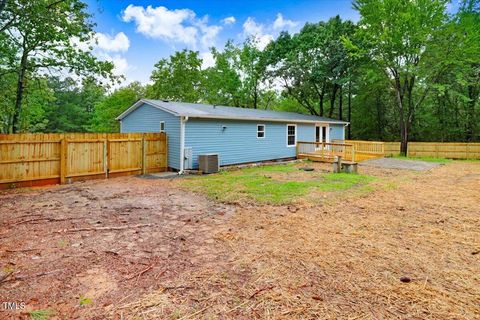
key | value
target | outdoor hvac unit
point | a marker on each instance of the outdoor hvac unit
(208, 163)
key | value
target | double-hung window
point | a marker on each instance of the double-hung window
(291, 135)
(260, 131)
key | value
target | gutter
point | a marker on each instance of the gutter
(183, 120)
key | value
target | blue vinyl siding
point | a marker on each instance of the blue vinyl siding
(147, 119)
(337, 132)
(238, 143)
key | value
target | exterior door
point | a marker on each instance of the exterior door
(322, 134)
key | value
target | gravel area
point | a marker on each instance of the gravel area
(392, 163)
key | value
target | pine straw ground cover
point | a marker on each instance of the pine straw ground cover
(343, 259)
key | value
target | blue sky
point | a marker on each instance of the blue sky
(136, 34)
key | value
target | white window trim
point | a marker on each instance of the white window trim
(164, 126)
(296, 133)
(264, 131)
(327, 130)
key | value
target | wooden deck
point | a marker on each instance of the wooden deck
(325, 151)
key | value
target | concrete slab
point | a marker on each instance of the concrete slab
(160, 175)
(392, 163)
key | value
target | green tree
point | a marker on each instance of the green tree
(112, 106)
(37, 36)
(221, 82)
(397, 35)
(179, 77)
(313, 65)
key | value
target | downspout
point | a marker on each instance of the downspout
(344, 128)
(183, 120)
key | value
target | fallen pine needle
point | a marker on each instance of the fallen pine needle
(105, 228)
(260, 290)
(194, 314)
(138, 274)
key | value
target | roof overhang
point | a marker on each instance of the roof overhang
(137, 104)
(265, 119)
(156, 105)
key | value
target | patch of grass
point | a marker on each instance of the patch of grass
(271, 184)
(426, 159)
(84, 301)
(42, 314)
(7, 269)
(62, 243)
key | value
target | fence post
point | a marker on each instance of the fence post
(166, 151)
(105, 155)
(144, 154)
(63, 159)
(63, 163)
(353, 152)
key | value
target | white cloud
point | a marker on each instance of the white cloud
(179, 25)
(120, 63)
(101, 45)
(207, 59)
(257, 31)
(250, 27)
(119, 43)
(229, 20)
(209, 32)
(282, 24)
(265, 33)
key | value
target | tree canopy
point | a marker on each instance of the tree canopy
(407, 70)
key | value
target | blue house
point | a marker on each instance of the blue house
(237, 135)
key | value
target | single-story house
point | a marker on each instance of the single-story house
(237, 135)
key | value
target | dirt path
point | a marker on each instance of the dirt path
(199, 260)
(62, 255)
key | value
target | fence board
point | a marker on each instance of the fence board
(365, 150)
(451, 150)
(38, 159)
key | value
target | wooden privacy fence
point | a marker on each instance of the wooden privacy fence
(39, 159)
(452, 150)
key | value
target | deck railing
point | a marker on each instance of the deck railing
(367, 149)
(325, 151)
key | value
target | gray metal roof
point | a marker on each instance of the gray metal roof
(197, 110)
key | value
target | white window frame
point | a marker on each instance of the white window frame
(164, 126)
(296, 133)
(264, 130)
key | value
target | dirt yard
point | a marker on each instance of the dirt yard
(130, 248)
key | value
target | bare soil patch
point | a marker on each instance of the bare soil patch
(83, 249)
(185, 257)
(392, 163)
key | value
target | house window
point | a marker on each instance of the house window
(291, 135)
(260, 131)
(162, 126)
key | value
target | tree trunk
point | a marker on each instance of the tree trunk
(401, 110)
(332, 100)
(16, 119)
(380, 115)
(322, 99)
(470, 132)
(404, 139)
(340, 104)
(322, 96)
(349, 113)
